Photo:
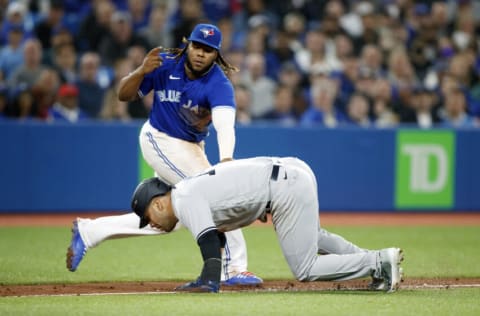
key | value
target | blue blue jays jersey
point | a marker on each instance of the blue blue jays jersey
(182, 107)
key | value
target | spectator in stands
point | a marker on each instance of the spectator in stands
(113, 108)
(347, 78)
(294, 25)
(278, 54)
(282, 112)
(454, 111)
(254, 43)
(66, 109)
(95, 26)
(313, 53)
(358, 110)
(30, 71)
(371, 57)
(156, 32)
(366, 81)
(140, 107)
(3, 102)
(331, 28)
(343, 49)
(121, 38)
(232, 40)
(461, 67)
(410, 43)
(62, 35)
(369, 29)
(269, 42)
(11, 55)
(44, 92)
(190, 13)
(421, 110)
(249, 9)
(401, 73)
(216, 11)
(423, 47)
(384, 101)
(22, 103)
(290, 76)
(65, 62)
(48, 24)
(90, 92)
(261, 86)
(323, 112)
(16, 14)
(140, 13)
(243, 99)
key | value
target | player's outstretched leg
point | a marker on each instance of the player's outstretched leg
(88, 233)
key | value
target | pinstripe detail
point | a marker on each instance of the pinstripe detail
(226, 262)
(164, 158)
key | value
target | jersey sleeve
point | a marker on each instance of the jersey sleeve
(146, 85)
(148, 81)
(221, 94)
(194, 213)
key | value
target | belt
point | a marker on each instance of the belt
(273, 177)
(275, 170)
(268, 207)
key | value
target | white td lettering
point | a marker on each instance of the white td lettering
(419, 167)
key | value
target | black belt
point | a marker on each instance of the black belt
(273, 177)
(268, 207)
(275, 170)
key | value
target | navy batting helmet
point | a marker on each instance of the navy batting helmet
(207, 34)
(144, 193)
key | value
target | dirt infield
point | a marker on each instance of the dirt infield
(268, 286)
(384, 219)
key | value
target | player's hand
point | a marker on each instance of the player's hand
(152, 60)
(199, 286)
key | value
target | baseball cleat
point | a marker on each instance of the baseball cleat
(77, 249)
(243, 278)
(379, 284)
(390, 259)
(199, 286)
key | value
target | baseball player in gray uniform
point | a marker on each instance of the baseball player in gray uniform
(234, 194)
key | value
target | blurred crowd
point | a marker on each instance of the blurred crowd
(376, 63)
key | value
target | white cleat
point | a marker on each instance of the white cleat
(378, 284)
(390, 259)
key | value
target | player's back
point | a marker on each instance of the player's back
(236, 192)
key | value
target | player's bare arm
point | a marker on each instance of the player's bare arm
(128, 87)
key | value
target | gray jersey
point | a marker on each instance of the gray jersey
(234, 194)
(230, 195)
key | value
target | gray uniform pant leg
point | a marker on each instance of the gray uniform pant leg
(297, 224)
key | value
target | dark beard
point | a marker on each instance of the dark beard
(197, 73)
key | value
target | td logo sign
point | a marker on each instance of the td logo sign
(425, 169)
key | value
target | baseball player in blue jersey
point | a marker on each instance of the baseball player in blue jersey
(191, 90)
(235, 194)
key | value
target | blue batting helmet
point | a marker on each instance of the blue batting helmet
(207, 34)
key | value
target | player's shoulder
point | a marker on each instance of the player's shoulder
(218, 76)
(168, 65)
(169, 60)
